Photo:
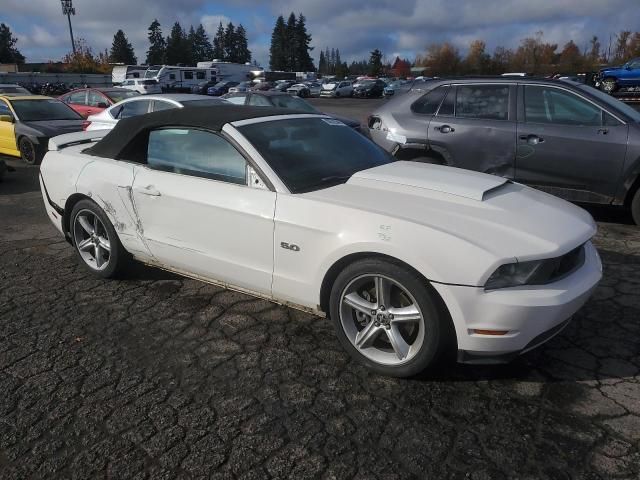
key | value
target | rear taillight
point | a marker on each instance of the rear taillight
(85, 125)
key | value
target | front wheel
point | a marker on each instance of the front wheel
(387, 318)
(29, 152)
(95, 240)
(609, 85)
(635, 207)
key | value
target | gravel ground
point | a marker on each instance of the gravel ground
(157, 376)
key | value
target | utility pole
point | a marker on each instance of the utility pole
(68, 10)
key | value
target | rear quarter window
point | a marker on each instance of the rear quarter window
(428, 103)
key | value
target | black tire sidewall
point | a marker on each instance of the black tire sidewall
(635, 207)
(434, 318)
(117, 257)
(37, 158)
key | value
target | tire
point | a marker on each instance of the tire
(99, 260)
(337, 94)
(30, 154)
(387, 345)
(635, 207)
(609, 85)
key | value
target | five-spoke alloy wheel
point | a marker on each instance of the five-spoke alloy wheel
(95, 239)
(387, 317)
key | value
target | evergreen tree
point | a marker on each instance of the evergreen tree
(242, 45)
(121, 50)
(157, 45)
(277, 53)
(375, 63)
(230, 46)
(290, 46)
(218, 43)
(200, 46)
(332, 62)
(302, 39)
(177, 46)
(338, 61)
(322, 64)
(8, 51)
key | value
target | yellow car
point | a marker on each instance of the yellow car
(27, 122)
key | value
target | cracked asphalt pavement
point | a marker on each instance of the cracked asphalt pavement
(157, 376)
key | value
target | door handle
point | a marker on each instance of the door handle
(532, 139)
(445, 129)
(149, 190)
(603, 131)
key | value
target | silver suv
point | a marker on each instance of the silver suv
(566, 138)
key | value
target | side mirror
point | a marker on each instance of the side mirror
(6, 118)
(102, 105)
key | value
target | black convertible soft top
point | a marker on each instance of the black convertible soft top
(212, 117)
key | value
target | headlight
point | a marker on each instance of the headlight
(536, 272)
(514, 274)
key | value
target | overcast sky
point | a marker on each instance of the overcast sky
(397, 27)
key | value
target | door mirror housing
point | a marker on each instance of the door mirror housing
(6, 118)
(102, 105)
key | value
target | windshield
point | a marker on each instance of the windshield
(148, 82)
(366, 83)
(609, 100)
(313, 153)
(15, 89)
(295, 103)
(150, 73)
(117, 95)
(43, 109)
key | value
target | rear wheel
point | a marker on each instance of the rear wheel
(387, 318)
(29, 153)
(95, 240)
(635, 207)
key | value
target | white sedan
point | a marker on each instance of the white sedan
(130, 107)
(407, 259)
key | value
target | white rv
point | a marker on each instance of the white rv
(180, 78)
(233, 72)
(120, 73)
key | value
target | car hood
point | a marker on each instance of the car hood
(51, 128)
(500, 217)
(328, 86)
(612, 69)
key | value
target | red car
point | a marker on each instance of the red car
(88, 101)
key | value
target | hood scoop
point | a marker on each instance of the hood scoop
(438, 178)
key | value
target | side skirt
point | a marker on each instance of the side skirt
(235, 288)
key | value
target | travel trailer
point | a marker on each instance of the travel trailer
(120, 73)
(173, 78)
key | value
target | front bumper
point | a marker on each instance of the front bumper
(531, 315)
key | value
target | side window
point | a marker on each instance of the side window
(489, 102)
(96, 99)
(131, 109)
(448, 106)
(197, 153)
(160, 105)
(78, 98)
(259, 101)
(200, 75)
(4, 109)
(428, 103)
(172, 76)
(558, 107)
(127, 83)
(609, 120)
(237, 99)
(188, 75)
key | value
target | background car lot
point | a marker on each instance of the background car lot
(164, 376)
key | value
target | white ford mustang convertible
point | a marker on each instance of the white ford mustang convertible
(407, 259)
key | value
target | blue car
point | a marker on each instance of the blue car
(620, 78)
(221, 88)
